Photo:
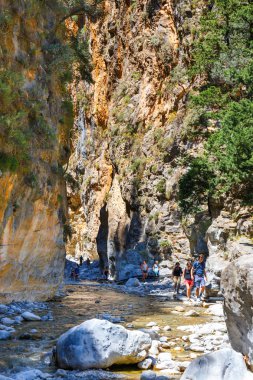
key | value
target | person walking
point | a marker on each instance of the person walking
(81, 260)
(144, 269)
(156, 268)
(199, 273)
(188, 279)
(106, 272)
(177, 273)
(76, 275)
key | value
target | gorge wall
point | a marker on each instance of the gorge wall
(134, 139)
(34, 135)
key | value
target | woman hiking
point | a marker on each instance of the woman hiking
(144, 269)
(188, 279)
(177, 273)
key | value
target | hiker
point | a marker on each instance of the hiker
(144, 269)
(199, 273)
(106, 272)
(76, 272)
(72, 273)
(188, 279)
(156, 268)
(81, 260)
(177, 273)
(88, 262)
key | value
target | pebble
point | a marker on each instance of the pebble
(192, 313)
(148, 375)
(145, 364)
(4, 335)
(167, 328)
(197, 348)
(30, 316)
(151, 324)
(7, 321)
(181, 309)
(3, 309)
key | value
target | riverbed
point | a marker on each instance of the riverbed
(91, 300)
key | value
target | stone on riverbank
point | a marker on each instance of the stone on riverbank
(133, 283)
(4, 335)
(100, 344)
(30, 316)
(192, 313)
(145, 364)
(237, 284)
(8, 321)
(224, 364)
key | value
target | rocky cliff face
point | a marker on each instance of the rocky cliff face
(132, 144)
(33, 148)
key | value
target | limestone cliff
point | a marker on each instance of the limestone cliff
(132, 143)
(33, 148)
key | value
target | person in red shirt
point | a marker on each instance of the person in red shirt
(188, 279)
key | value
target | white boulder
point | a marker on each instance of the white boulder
(225, 364)
(100, 344)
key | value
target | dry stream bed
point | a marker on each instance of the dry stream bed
(86, 301)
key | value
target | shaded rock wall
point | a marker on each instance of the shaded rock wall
(33, 196)
(237, 289)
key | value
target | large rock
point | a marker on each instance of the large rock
(100, 344)
(237, 284)
(225, 364)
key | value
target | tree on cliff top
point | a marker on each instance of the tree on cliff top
(223, 54)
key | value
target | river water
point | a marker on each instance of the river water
(90, 300)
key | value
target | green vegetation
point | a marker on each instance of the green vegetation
(161, 187)
(138, 165)
(165, 244)
(26, 123)
(223, 53)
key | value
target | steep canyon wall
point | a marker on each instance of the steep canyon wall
(133, 142)
(33, 147)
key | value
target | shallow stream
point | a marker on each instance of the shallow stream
(90, 300)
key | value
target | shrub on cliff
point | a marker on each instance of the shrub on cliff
(227, 166)
(223, 56)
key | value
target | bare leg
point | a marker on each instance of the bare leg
(197, 292)
(202, 290)
(188, 291)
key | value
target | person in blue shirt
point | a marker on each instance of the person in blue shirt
(199, 273)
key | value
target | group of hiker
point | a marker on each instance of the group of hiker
(194, 274)
(75, 270)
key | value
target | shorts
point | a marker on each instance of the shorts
(144, 271)
(176, 280)
(189, 282)
(199, 281)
